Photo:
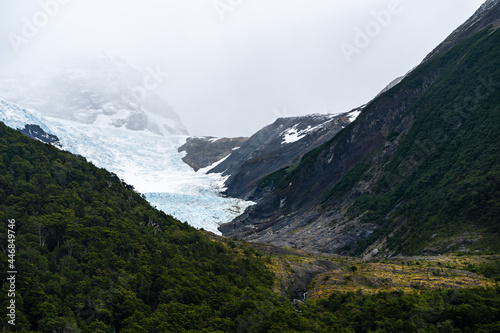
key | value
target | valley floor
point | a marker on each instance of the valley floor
(304, 275)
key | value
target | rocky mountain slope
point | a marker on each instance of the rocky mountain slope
(202, 152)
(275, 147)
(104, 92)
(416, 173)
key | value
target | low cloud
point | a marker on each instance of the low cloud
(233, 63)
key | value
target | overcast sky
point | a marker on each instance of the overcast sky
(236, 65)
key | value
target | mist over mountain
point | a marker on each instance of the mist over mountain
(104, 92)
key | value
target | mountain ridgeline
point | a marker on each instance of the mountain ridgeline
(274, 148)
(418, 172)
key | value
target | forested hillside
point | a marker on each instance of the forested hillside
(440, 191)
(92, 254)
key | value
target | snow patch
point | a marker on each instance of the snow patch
(205, 170)
(353, 115)
(293, 134)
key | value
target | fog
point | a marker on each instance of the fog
(234, 66)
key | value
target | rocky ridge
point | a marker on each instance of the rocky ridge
(275, 147)
(202, 152)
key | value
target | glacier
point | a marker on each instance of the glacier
(145, 160)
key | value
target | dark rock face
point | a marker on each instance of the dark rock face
(276, 146)
(37, 133)
(203, 152)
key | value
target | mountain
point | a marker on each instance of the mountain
(105, 92)
(84, 252)
(275, 147)
(202, 152)
(487, 15)
(148, 161)
(416, 173)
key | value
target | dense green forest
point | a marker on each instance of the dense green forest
(93, 256)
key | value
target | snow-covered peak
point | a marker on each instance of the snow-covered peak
(105, 92)
(293, 134)
(294, 129)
